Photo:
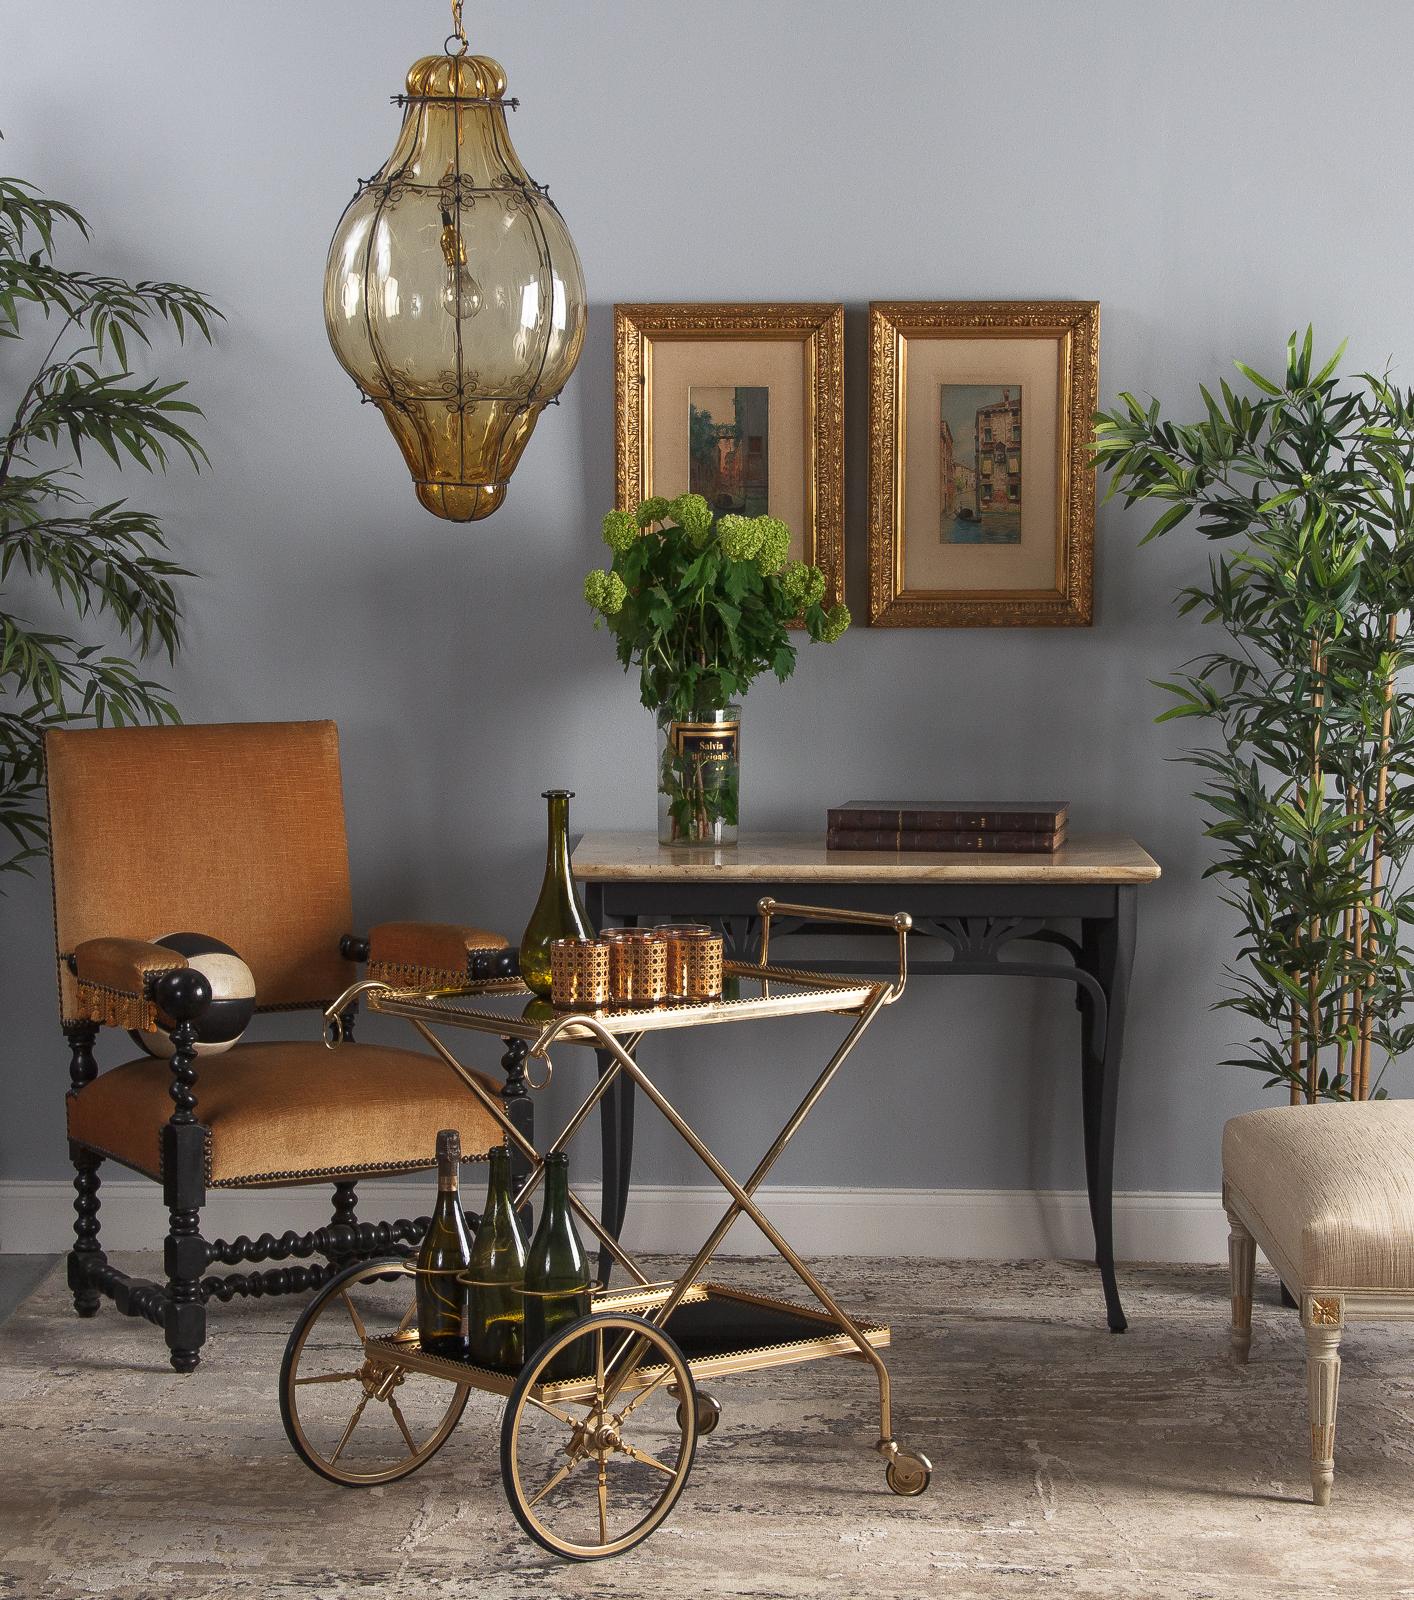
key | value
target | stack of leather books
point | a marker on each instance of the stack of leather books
(1026, 827)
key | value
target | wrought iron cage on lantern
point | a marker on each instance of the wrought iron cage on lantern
(453, 294)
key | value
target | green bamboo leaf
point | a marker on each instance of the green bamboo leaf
(1256, 378)
(101, 562)
(1170, 519)
(1330, 365)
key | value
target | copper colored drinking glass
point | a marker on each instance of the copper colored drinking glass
(638, 966)
(579, 972)
(694, 962)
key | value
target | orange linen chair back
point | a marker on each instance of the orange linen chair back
(233, 830)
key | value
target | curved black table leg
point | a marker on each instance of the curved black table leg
(1107, 952)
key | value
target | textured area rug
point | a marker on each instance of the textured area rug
(1067, 1461)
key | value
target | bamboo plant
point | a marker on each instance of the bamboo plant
(103, 563)
(1305, 489)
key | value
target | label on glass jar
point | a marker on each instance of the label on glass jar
(711, 744)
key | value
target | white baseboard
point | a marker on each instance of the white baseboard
(978, 1224)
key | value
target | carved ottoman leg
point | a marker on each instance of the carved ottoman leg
(1323, 1319)
(1242, 1260)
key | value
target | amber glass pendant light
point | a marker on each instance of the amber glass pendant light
(453, 294)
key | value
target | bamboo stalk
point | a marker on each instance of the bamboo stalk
(1316, 784)
(1344, 1056)
(1295, 1054)
(1358, 1000)
(1377, 864)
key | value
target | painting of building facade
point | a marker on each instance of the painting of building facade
(729, 447)
(979, 463)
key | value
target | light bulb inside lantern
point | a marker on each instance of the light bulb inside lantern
(461, 294)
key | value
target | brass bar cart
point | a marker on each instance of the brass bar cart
(601, 1423)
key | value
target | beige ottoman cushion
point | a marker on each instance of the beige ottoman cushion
(1328, 1190)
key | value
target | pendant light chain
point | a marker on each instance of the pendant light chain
(458, 32)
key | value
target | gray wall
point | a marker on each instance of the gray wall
(1214, 175)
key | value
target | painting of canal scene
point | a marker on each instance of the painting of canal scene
(979, 463)
(729, 447)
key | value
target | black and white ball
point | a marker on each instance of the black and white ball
(232, 995)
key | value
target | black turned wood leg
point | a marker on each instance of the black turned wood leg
(182, 996)
(186, 1253)
(616, 1147)
(86, 1254)
(343, 1237)
(1107, 952)
(522, 1118)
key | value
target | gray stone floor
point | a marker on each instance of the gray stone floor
(1069, 1464)
(18, 1276)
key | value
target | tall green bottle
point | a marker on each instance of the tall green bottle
(558, 913)
(497, 1306)
(444, 1255)
(557, 1276)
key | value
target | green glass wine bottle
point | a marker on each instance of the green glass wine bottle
(558, 912)
(444, 1256)
(497, 1306)
(557, 1275)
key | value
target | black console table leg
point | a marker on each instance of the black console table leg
(616, 1144)
(1108, 954)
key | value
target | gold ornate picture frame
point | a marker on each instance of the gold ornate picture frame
(743, 403)
(981, 492)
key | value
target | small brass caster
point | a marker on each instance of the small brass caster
(709, 1412)
(908, 1474)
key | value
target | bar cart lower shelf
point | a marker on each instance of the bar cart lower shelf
(600, 1426)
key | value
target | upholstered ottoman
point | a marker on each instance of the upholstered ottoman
(1328, 1193)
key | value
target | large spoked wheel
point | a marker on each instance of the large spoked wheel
(594, 1475)
(352, 1412)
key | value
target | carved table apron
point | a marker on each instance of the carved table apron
(988, 910)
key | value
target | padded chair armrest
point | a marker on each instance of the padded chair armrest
(113, 979)
(437, 954)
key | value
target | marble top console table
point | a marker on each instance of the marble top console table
(977, 911)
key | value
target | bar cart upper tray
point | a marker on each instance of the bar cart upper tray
(506, 1007)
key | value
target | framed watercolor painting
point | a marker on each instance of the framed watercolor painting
(743, 404)
(981, 493)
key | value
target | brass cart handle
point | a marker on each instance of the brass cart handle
(899, 921)
(333, 1012)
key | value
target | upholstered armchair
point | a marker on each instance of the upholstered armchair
(236, 832)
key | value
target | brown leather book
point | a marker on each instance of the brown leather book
(951, 816)
(940, 839)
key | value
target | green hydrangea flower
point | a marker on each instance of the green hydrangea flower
(774, 546)
(802, 585)
(605, 591)
(654, 509)
(620, 530)
(740, 537)
(837, 619)
(693, 515)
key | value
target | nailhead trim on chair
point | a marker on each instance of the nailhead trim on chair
(335, 1172)
(311, 1173)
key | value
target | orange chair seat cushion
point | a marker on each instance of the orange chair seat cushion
(289, 1111)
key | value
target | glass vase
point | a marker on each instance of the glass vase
(699, 776)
